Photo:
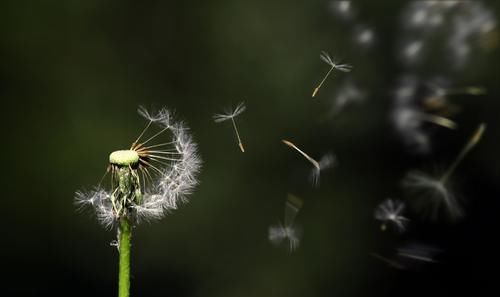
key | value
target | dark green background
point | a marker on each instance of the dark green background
(72, 74)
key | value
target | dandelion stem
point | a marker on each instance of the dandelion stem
(475, 138)
(124, 266)
(238, 136)
(322, 81)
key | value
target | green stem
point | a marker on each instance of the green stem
(124, 269)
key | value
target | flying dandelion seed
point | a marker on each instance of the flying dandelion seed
(431, 193)
(390, 211)
(230, 115)
(147, 181)
(325, 162)
(288, 231)
(333, 65)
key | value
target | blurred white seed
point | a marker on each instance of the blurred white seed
(390, 211)
(348, 93)
(288, 231)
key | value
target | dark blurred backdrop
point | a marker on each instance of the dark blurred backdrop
(72, 74)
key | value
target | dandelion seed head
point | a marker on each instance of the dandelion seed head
(150, 179)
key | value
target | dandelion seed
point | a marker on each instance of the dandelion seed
(333, 65)
(390, 211)
(325, 162)
(431, 193)
(230, 115)
(288, 231)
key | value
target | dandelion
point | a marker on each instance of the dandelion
(148, 180)
(432, 193)
(327, 161)
(333, 65)
(288, 231)
(230, 115)
(390, 211)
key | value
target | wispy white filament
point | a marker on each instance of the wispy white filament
(169, 173)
